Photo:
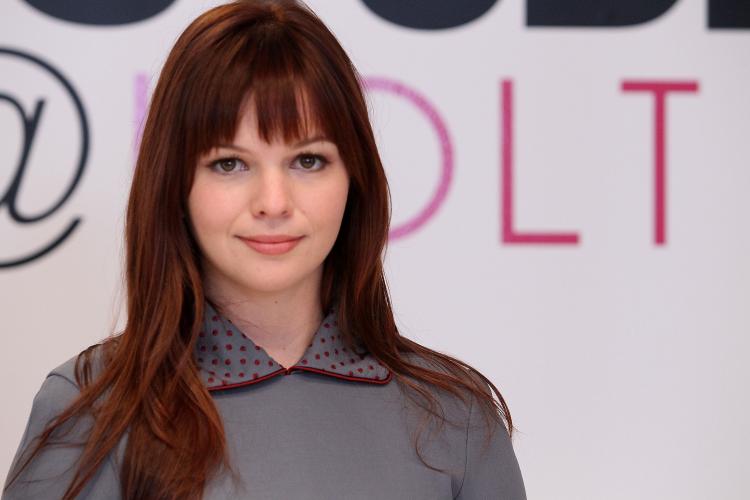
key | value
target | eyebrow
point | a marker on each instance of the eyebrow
(300, 144)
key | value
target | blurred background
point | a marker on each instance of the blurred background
(571, 212)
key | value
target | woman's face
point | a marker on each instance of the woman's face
(251, 189)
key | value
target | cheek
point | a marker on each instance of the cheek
(211, 210)
(329, 207)
(322, 208)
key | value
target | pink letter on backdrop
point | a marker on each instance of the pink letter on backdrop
(446, 150)
(659, 91)
(508, 231)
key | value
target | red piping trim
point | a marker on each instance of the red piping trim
(247, 382)
(345, 377)
(302, 368)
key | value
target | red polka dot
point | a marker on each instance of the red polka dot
(327, 325)
(210, 372)
(257, 348)
(370, 366)
(229, 347)
(255, 375)
(317, 356)
(227, 375)
(243, 348)
(351, 360)
(335, 351)
(215, 348)
(214, 332)
(359, 370)
(228, 362)
(257, 361)
(241, 374)
(304, 361)
(333, 337)
(214, 318)
(351, 373)
(270, 363)
(210, 379)
(333, 367)
(325, 354)
(341, 363)
(322, 341)
(243, 361)
(214, 361)
(229, 333)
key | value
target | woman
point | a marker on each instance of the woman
(260, 357)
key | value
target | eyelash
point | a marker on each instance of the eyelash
(322, 159)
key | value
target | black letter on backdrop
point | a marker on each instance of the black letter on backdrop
(594, 12)
(101, 12)
(429, 14)
(29, 124)
(729, 14)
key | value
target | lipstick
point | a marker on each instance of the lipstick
(272, 244)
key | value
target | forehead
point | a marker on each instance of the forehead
(291, 121)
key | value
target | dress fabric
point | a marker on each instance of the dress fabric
(336, 425)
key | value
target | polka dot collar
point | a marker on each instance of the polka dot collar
(227, 358)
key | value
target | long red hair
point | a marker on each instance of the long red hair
(273, 52)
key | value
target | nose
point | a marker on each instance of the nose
(271, 196)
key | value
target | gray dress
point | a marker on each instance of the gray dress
(334, 426)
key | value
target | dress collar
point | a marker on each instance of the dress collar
(227, 358)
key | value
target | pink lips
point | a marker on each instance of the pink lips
(272, 244)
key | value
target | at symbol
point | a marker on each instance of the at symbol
(29, 124)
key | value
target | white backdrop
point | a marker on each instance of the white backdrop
(623, 357)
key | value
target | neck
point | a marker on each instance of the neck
(282, 323)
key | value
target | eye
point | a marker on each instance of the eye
(227, 165)
(312, 161)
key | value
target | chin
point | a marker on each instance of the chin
(260, 277)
